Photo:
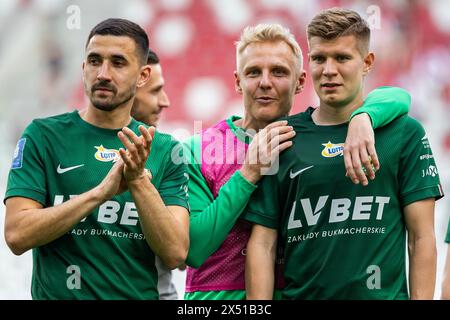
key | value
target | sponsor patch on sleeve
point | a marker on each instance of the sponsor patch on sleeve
(18, 154)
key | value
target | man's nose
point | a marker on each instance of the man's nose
(265, 82)
(329, 68)
(104, 72)
(163, 100)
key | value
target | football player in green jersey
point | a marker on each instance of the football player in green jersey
(342, 240)
(445, 294)
(85, 192)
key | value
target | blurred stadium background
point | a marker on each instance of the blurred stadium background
(42, 47)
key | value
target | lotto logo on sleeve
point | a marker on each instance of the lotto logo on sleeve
(18, 154)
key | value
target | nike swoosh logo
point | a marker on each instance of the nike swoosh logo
(62, 170)
(292, 175)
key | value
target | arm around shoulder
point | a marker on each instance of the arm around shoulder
(384, 104)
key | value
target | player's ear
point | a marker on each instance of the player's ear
(237, 82)
(144, 75)
(83, 66)
(368, 63)
(301, 82)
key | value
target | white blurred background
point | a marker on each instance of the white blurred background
(42, 48)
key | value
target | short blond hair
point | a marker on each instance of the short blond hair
(268, 33)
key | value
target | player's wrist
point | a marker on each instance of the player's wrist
(250, 175)
(364, 116)
(139, 178)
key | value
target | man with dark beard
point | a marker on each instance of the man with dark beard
(85, 192)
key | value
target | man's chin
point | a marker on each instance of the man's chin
(332, 98)
(336, 102)
(154, 119)
(270, 116)
(104, 106)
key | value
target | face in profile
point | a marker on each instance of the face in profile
(337, 68)
(110, 71)
(268, 77)
(151, 98)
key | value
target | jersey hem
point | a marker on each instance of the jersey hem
(174, 201)
(422, 194)
(36, 195)
(259, 218)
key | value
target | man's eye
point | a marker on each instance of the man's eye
(118, 63)
(342, 58)
(253, 73)
(318, 59)
(94, 61)
(279, 72)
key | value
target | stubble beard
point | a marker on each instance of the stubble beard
(115, 101)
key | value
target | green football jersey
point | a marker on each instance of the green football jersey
(341, 240)
(104, 256)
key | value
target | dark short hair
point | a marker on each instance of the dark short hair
(152, 57)
(333, 23)
(123, 27)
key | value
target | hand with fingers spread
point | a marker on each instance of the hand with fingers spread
(137, 151)
(360, 156)
(265, 148)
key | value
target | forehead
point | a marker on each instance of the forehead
(108, 45)
(260, 54)
(346, 44)
(156, 77)
(156, 72)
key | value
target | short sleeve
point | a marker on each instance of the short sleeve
(174, 185)
(264, 205)
(27, 173)
(418, 173)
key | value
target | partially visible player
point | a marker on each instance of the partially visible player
(150, 101)
(341, 240)
(86, 194)
(269, 74)
(445, 294)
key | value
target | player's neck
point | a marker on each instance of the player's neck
(327, 115)
(115, 119)
(248, 122)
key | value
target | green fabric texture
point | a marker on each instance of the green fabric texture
(215, 295)
(223, 295)
(385, 104)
